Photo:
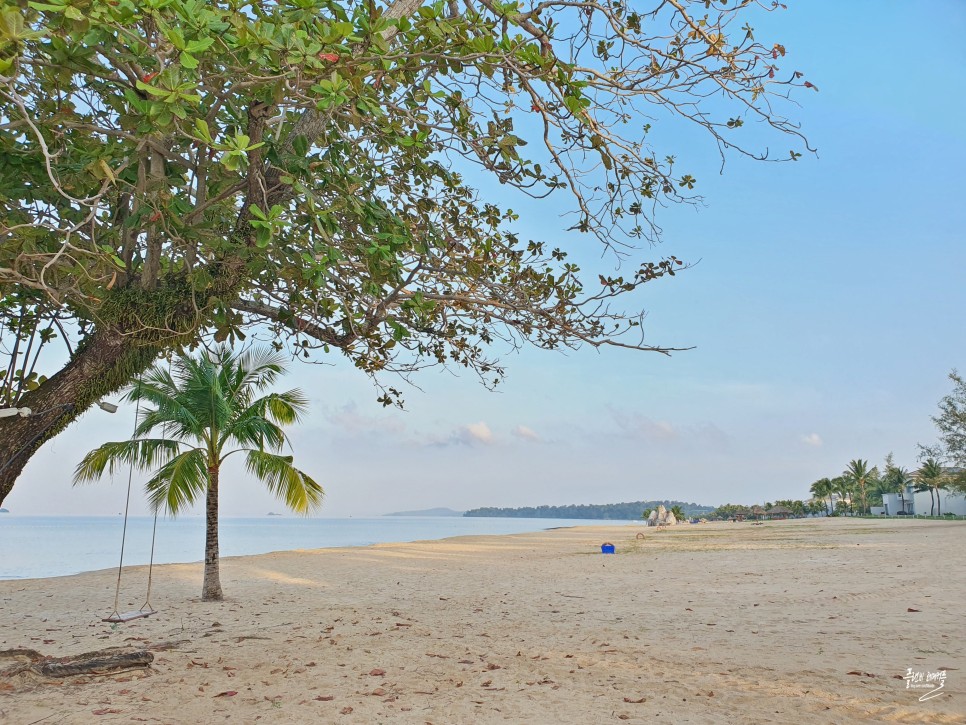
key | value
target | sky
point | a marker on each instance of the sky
(825, 310)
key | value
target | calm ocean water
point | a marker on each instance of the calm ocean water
(42, 546)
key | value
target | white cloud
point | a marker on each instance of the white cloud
(812, 439)
(527, 434)
(470, 434)
(478, 432)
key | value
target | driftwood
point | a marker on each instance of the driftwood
(96, 662)
(89, 663)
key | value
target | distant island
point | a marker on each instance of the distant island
(4, 511)
(428, 512)
(625, 511)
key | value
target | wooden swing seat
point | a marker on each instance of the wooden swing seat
(128, 616)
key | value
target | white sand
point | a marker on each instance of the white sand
(699, 624)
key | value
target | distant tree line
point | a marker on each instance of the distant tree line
(626, 511)
(796, 509)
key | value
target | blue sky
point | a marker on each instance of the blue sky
(825, 310)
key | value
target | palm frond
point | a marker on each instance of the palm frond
(261, 367)
(255, 431)
(299, 492)
(288, 407)
(179, 482)
(260, 423)
(141, 453)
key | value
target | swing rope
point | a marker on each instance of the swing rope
(147, 610)
(147, 597)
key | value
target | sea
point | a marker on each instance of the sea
(45, 546)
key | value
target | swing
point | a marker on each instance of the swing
(146, 609)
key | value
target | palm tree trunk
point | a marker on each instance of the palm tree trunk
(211, 588)
(932, 503)
(939, 507)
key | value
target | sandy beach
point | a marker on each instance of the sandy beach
(808, 621)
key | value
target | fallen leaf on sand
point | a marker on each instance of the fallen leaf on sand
(635, 702)
(106, 711)
(377, 672)
(345, 711)
(325, 698)
(861, 674)
(227, 693)
(910, 609)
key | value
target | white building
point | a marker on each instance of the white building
(920, 503)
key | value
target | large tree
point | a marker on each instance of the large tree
(207, 410)
(174, 169)
(951, 423)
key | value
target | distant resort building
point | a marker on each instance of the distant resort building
(920, 503)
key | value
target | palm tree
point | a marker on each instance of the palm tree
(895, 480)
(206, 410)
(842, 486)
(678, 513)
(932, 477)
(860, 474)
(822, 488)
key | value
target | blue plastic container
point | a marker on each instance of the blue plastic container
(606, 548)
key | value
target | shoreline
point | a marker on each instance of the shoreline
(806, 621)
(37, 551)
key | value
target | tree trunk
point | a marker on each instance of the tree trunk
(133, 327)
(211, 588)
(932, 503)
(939, 506)
(100, 367)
